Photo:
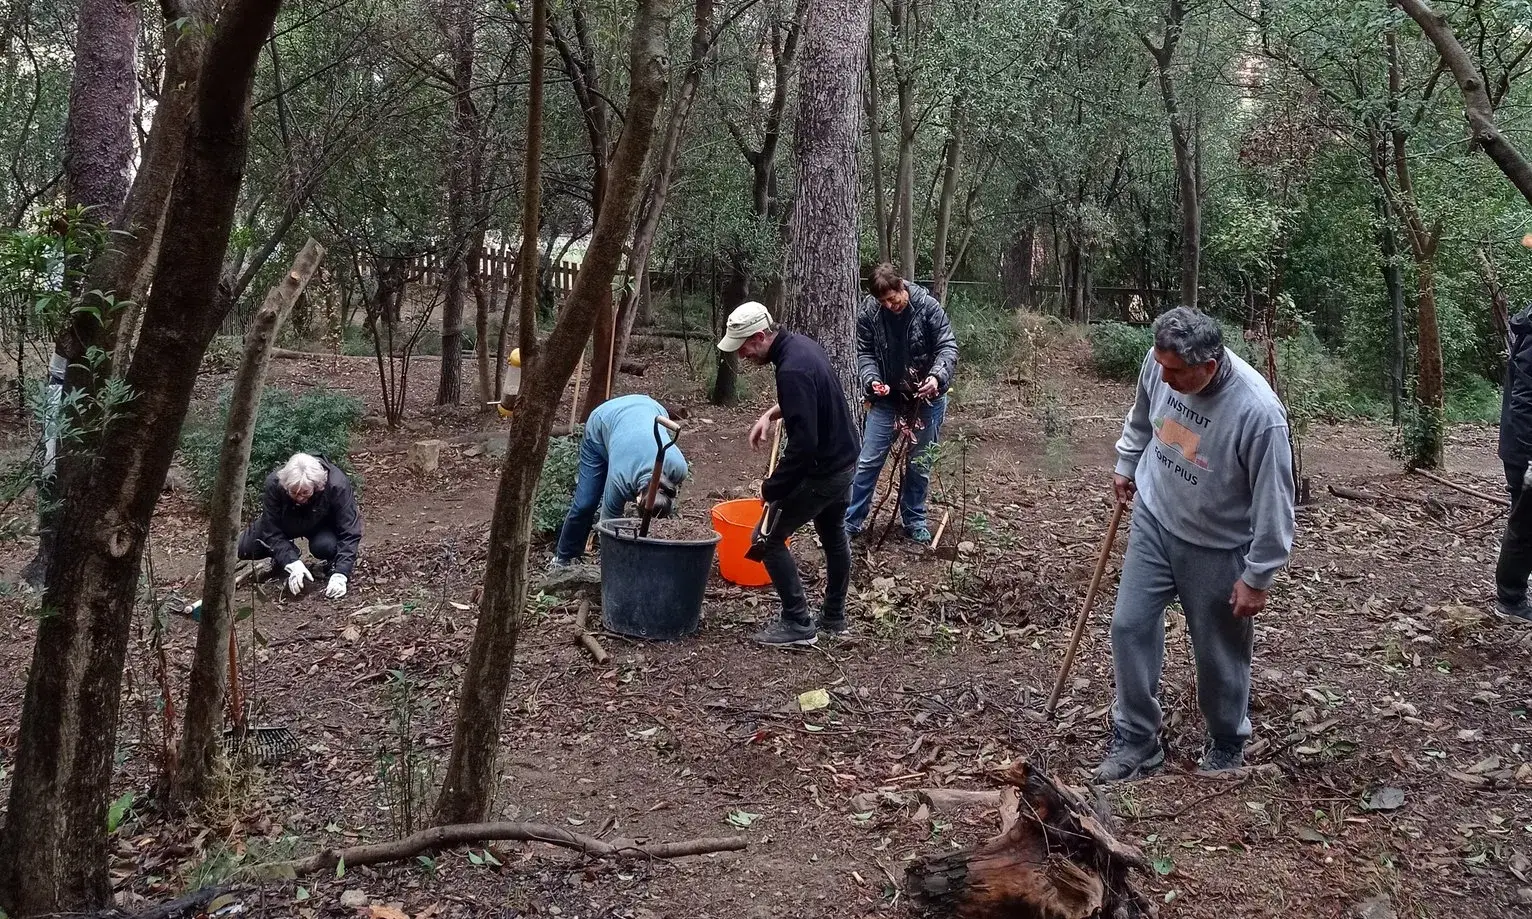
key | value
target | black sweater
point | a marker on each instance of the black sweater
(821, 438)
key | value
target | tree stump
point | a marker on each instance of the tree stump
(425, 456)
(1056, 861)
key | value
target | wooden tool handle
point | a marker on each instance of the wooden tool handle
(664, 422)
(1090, 600)
(776, 444)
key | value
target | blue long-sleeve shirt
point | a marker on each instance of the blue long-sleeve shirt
(624, 429)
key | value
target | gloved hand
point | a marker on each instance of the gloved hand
(297, 576)
(337, 588)
(1526, 476)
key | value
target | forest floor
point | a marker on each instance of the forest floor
(1391, 706)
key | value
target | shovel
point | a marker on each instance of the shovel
(769, 511)
(945, 553)
(1090, 600)
(662, 446)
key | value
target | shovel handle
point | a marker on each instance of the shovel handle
(776, 445)
(1090, 600)
(661, 448)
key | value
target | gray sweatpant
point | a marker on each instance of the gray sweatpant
(1158, 568)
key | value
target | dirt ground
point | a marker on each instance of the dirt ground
(1391, 709)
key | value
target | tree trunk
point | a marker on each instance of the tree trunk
(1388, 246)
(1187, 184)
(1477, 107)
(483, 302)
(201, 739)
(464, 183)
(881, 213)
(822, 269)
(940, 271)
(901, 48)
(54, 846)
(471, 769)
(1016, 271)
(664, 169)
(103, 95)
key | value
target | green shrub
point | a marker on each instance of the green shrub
(317, 421)
(986, 333)
(1117, 349)
(555, 487)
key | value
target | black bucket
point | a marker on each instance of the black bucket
(652, 588)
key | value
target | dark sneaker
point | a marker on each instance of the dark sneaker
(1221, 759)
(1126, 761)
(835, 625)
(920, 535)
(1518, 610)
(782, 634)
(555, 563)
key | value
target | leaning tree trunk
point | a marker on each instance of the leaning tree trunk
(664, 170)
(53, 852)
(1477, 106)
(822, 271)
(201, 739)
(471, 769)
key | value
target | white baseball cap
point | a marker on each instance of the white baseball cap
(746, 320)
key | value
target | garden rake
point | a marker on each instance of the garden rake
(1090, 600)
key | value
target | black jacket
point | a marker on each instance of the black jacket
(932, 349)
(1516, 400)
(821, 437)
(334, 508)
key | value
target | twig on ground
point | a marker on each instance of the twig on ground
(1498, 502)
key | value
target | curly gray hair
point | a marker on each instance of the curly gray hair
(1191, 335)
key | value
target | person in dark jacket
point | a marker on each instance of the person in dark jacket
(1516, 453)
(906, 355)
(811, 480)
(309, 498)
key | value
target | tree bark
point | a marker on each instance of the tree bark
(953, 165)
(902, 52)
(822, 266)
(201, 739)
(471, 769)
(880, 208)
(464, 186)
(1185, 155)
(1393, 286)
(1477, 107)
(529, 262)
(663, 172)
(54, 844)
(103, 95)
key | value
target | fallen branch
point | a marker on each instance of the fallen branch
(951, 799)
(461, 834)
(585, 638)
(1498, 502)
(187, 907)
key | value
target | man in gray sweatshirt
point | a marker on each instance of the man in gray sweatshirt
(1206, 450)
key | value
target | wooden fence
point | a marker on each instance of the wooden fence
(495, 264)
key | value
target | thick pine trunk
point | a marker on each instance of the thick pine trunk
(881, 214)
(54, 845)
(901, 45)
(821, 283)
(103, 95)
(201, 739)
(1188, 187)
(471, 769)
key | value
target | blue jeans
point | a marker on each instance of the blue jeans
(590, 485)
(877, 439)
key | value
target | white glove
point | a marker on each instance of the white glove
(1526, 476)
(297, 576)
(337, 588)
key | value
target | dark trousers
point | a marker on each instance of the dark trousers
(822, 501)
(323, 544)
(1516, 545)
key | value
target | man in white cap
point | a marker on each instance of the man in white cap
(812, 481)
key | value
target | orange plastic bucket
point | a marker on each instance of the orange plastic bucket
(735, 521)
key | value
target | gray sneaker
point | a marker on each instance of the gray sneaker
(1219, 758)
(1521, 609)
(1126, 761)
(834, 625)
(556, 563)
(782, 634)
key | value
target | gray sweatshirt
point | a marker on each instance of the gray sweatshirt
(1215, 468)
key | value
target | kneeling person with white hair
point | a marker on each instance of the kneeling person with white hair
(309, 498)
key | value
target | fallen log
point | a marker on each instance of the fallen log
(1498, 502)
(951, 799)
(633, 368)
(584, 638)
(461, 834)
(1055, 860)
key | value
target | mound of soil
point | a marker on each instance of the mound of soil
(680, 528)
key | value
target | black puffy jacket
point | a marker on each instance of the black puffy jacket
(333, 508)
(933, 349)
(1516, 400)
